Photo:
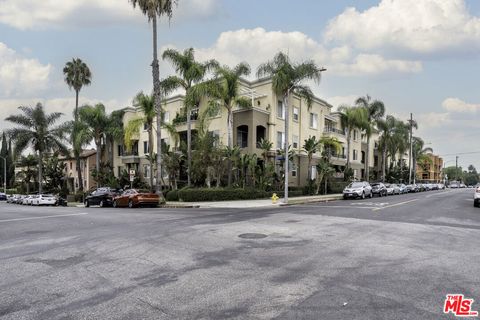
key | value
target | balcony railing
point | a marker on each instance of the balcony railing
(333, 130)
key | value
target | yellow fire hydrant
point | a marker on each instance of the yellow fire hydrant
(274, 198)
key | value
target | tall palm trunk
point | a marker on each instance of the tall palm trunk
(97, 159)
(189, 146)
(287, 117)
(40, 173)
(158, 106)
(384, 163)
(229, 142)
(309, 169)
(76, 153)
(367, 159)
(349, 134)
(150, 152)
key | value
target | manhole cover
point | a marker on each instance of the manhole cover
(252, 236)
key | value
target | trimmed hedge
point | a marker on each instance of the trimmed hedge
(337, 187)
(172, 195)
(221, 194)
(225, 194)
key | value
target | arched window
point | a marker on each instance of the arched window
(242, 136)
(261, 132)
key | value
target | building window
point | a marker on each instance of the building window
(145, 126)
(295, 114)
(71, 165)
(280, 140)
(355, 154)
(242, 136)
(363, 157)
(120, 150)
(313, 120)
(343, 152)
(166, 117)
(295, 141)
(280, 110)
(354, 134)
(145, 147)
(216, 137)
(294, 170)
(261, 133)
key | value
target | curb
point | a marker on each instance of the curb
(295, 202)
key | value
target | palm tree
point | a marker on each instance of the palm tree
(266, 146)
(190, 72)
(153, 9)
(96, 120)
(330, 144)
(390, 133)
(352, 118)
(311, 146)
(114, 132)
(36, 129)
(375, 111)
(419, 154)
(76, 75)
(28, 165)
(287, 78)
(145, 104)
(324, 170)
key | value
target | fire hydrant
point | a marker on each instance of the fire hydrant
(274, 198)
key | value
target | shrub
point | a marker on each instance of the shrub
(291, 193)
(172, 195)
(337, 186)
(79, 196)
(220, 194)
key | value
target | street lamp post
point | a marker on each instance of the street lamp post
(4, 174)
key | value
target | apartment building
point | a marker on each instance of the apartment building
(430, 170)
(87, 164)
(265, 119)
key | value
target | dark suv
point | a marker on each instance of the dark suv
(379, 189)
(102, 197)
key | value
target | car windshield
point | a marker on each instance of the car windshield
(47, 195)
(355, 185)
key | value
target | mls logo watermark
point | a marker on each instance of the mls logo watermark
(459, 306)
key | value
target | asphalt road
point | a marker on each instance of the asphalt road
(386, 258)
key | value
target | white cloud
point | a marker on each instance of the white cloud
(19, 75)
(337, 101)
(419, 26)
(258, 45)
(32, 14)
(458, 105)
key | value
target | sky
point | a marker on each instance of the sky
(417, 56)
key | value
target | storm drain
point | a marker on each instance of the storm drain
(252, 236)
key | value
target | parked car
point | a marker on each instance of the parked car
(403, 188)
(3, 196)
(102, 197)
(389, 189)
(45, 200)
(358, 190)
(31, 199)
(62, 202)
(441, 186)
(134, 198)
(476, 198)
(412, 188)
(379, 189)
(421, 187)
(26, 200)
(396, 188)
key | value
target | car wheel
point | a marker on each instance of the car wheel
(363, 195)
(87, 203)
(371, 195)
(115, 203)
(130, 204)
(102, 204)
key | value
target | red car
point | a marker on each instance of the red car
(134, 198)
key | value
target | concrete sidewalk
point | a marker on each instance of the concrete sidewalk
(255, 203)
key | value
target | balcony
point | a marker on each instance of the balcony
(331, 130)
(130, 157)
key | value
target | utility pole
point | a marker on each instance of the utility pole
(456, 168)
(411, 151)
